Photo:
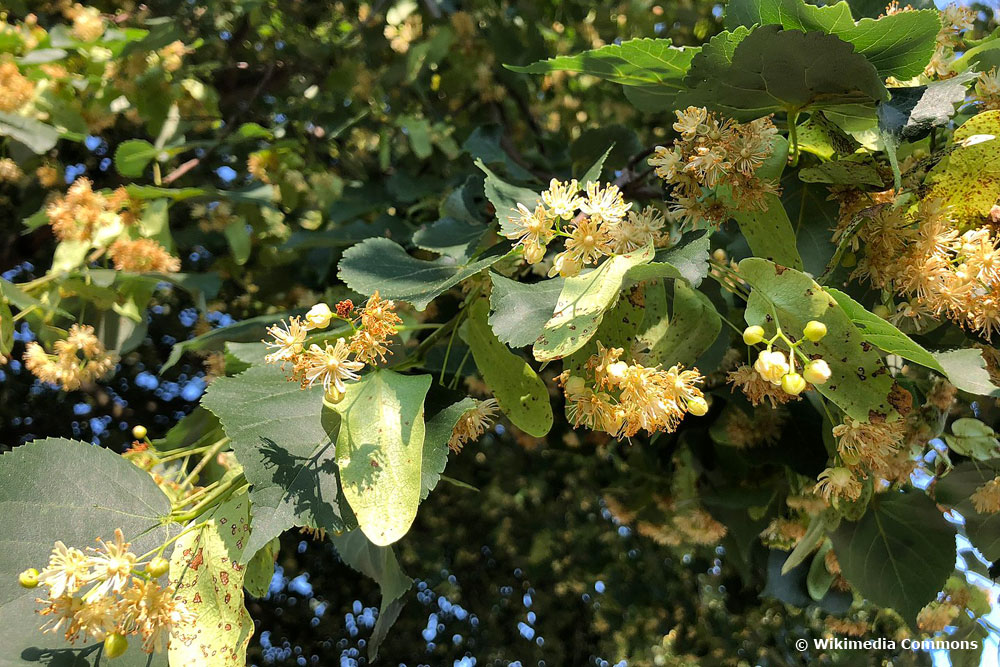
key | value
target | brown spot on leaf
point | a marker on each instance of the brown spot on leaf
(875, 417)
(901, 399)
(779, 269)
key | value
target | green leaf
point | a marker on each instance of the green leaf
(694, 326)
(380, 451)
(237, 233)
(505, 197)
(819, 578)
(451, 237)
(784, 70)
(37, 136)
(519, 310)
(769, 233)
(280, 438)
(436, 437)
(582, 304)
(383, 265)
(974, 439)
(57, 489)
(6, 325)
(249, 330)
(206, 572)
(859, 384)
(899, 554)
(260, 569)
(653, 66)
(966, 369)
(687, 259)
(593, 174)
(380, 564)
(883, 334)
(518, 389)
(843, 172)
(133, 156)
(898, 45)
(954, 490)
(969, 180)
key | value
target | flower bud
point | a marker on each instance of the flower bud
(574, 385)
(814, 331)
(319, 316)
(771, 366)
(793, 383)
(616, 371)
(139, 432)
(333, 396)
(115, 645)
(881, 311)
(158, 566)
(816, 372)
(533, 252)
(697, 406)
(753, 335)
(28, 578)
(848, 260)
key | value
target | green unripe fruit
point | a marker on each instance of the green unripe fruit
(158, 566)
(697, 406)
(881, 311)
(814, 331)
(28, 578)
(848, 260)
(793, 383)
(753, 335)
(139, 432)
(115, 644)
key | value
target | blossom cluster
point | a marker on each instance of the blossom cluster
(941, 270)
(79, 358)
(15, 88)
(955, 21)
(774, 369)
(472, 424)
(334, 364)
(621, 398)
(594, 224)
(102, 594)
(713, 166)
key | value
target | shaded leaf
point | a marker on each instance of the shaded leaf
(519, 311)
(694, 326)
(769, 233)
(877, 555)
(436, 436)
(966, 369)
(518, 389)
(133, 156)
(260, 569)
(686, 259)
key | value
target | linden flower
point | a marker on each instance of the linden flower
(530, 227)
(689, 121)
(566, 264)
(287, 341)
(771, 366)
(154, 612)
(112, 565)
(473, 423)
(872, 444)
(9, 171)
(328, 366)
(80, 213)
(63, 610)
(709, 163)
(588, 241)
(988, 88)
(78, 359)
(97, 617)
(15, 89)
(87, 22)
(562, 199)
(141, 256)
(637, 231)
(836, 483)
(67, 571)
(986, 498)
(604, 205)
(665, 161)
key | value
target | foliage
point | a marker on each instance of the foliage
(444, 229)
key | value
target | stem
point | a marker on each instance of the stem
(204, 461)
(793, 136)
(173, 456)
(221, 493)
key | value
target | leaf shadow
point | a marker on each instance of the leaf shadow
(302, 478)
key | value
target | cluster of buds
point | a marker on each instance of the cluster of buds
(621, 399)
(107, 594)
(714, 154)
(774, 367)
(78, 359)
(334, 364)
(596, 224)
(83, 213)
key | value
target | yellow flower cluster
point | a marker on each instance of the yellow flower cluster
(621, 399)
(79, 358)
(15, 88)
(472, 424)
(986, 498)
(715, 153)
(838, 483)
(594, 224)
(88, 24)
(873, 445)
(142, 255)
(81, 212)
(331, 365)
(955, 21)
(9, 171)
(988, 89)
(688, 526)
(940, 269)
(103, 595)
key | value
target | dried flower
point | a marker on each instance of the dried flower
(986, 498)
(837, 483)
(142, 256)
(473, 423)
(77, 359)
